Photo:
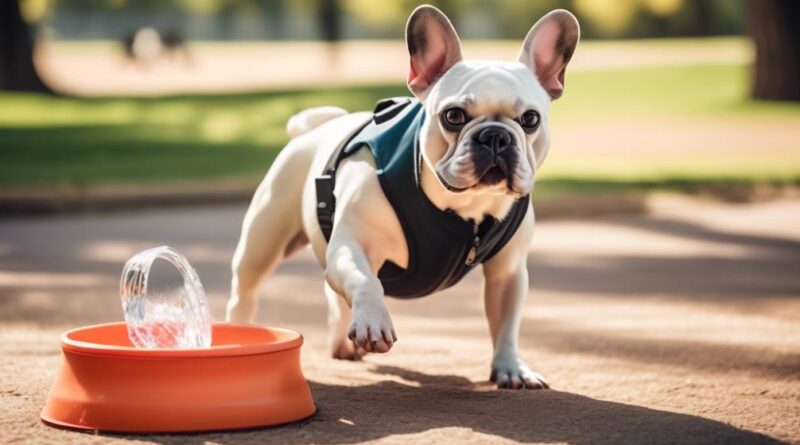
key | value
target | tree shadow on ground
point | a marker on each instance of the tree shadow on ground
(685, 229)
(769, 269)
(421, 402)
(695, 355)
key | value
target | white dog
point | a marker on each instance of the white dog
(406, 200)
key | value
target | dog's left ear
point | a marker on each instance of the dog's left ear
(433, 47)
(548, 48)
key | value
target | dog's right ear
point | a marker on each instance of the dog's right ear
(433, 47)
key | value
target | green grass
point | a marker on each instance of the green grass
(56, 140)
(46, 140)
(674, 91)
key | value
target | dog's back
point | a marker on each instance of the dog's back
(309, 119)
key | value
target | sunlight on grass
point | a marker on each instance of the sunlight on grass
(704, 90)
(31, 110)
(221, 126)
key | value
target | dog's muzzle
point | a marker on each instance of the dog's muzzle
(494, 138)
(494, 154)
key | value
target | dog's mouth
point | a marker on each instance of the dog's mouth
(494, 173)
(492, 176)
(486, 173)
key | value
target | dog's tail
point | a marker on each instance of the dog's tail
(307, 120)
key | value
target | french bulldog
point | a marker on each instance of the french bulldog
(483, 133)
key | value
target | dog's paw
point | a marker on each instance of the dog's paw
(512, 373)
(345, 349)
(371, 327)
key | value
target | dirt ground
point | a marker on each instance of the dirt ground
(682, 326)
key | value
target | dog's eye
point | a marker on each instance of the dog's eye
(529, 121)
(454, 118)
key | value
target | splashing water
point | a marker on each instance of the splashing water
(176, 317)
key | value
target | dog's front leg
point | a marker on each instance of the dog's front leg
(505, 289)
(351, 273)
(504, 298)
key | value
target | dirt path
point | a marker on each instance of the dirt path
(678, 327)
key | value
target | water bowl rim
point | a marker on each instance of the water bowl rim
(69, 344)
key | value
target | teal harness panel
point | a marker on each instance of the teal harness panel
(442, 246)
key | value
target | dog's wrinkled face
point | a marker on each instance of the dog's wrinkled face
(486, 130)
(485, 121)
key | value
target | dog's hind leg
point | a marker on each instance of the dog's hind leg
(273, 225)
(271, 229)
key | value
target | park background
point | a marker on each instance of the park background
(660, 94)
(664, 297)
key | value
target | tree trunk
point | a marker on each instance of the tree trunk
(16, 51)
(329, 16)
(329, 20)
(775, 28)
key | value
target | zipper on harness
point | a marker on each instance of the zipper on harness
(473, 251)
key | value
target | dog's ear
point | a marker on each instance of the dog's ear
(548, 48)
(433, 47)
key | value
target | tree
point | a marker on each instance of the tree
(329, 18)
(329, 21)
(16, 51)
(775, 28)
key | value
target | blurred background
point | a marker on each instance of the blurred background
(664, 296)
(104, 102)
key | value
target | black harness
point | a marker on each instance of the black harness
(442, 246)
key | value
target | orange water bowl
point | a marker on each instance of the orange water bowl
(250, 377)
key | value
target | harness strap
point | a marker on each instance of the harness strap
(325, 183)
(326, 203)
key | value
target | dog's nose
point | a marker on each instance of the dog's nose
(495, 138)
